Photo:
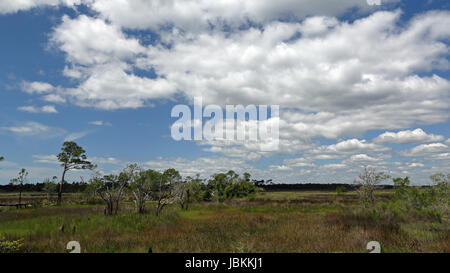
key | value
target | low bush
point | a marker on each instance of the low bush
(14, 246)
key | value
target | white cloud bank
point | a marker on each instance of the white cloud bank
(195, 14)
(324, 70)
(408, 137)
(427, 149)
(332, 78)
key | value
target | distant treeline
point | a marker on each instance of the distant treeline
(312, 187)
(39, 187)
(81, 187)
(318, 187)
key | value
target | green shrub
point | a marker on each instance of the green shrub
(433, 202)
(47, 203)
(433, 215)
(401, 188)
(340, 190)
(207, 195)
(251, 197)
(15, 246)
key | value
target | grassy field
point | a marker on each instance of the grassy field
(267, 222)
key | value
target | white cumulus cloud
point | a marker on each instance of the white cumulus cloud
(49, 109)
(408, 137)
(427, 149)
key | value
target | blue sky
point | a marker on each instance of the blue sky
(356, 84)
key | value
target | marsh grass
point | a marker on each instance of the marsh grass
(269, 223)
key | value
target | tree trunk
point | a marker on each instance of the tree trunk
(141, 206)
(20, 196)
(116, 209)
(159, 207)
(60, 187)
(188, 199)
(109, 207)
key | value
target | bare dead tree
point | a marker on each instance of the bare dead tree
(110, 188)
(181, 194)
(163, 195)
(367, 182)
(20, 180)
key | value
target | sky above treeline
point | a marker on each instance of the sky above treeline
(357, 85)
